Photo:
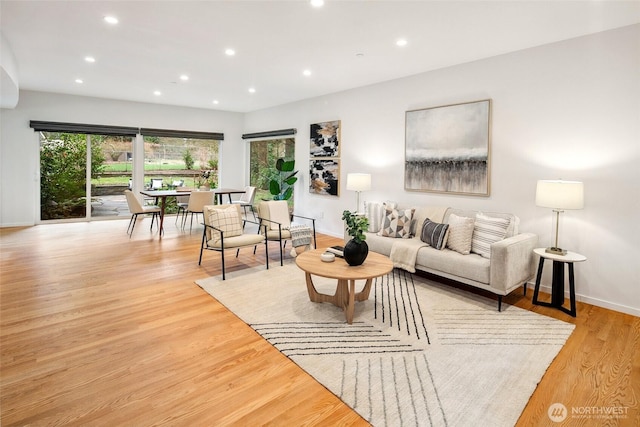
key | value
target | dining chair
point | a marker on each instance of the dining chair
(246, 200)
(136, 208)
(156, 184)
(197, 201)
(182, 201)
(224, 229)
(275, 220)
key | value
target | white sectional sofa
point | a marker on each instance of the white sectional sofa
(506, 262)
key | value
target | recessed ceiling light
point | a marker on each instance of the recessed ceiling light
(184, 77)
(307, 73)
(90, 59)
(215, 101)
(317, 3)
(111, 20)
(252, 90)
(79, 81)
(230, 52)
(157, 93)
(401, 42)
(359, 55)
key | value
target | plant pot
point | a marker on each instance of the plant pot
(355, 253)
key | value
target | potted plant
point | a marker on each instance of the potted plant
(282, 187)
(356, 249)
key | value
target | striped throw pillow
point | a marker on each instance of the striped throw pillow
(434, 234)
(486, 231)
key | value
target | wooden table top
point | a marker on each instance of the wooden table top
(375, 265)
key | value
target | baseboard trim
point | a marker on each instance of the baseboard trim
(593, 301)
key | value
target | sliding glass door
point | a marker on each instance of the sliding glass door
(70, 161)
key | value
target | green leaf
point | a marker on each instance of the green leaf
(279, 164)
(291, 180)
(274, 187)
(287, 194)
(288, 166)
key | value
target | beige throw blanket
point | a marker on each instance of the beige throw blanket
(404, 253)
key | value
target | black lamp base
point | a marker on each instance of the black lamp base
(556, 251)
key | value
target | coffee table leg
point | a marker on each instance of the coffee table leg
(314, 296)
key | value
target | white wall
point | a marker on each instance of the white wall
(568, 110)
(19, 155)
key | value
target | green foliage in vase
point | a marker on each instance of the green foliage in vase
(356, 225)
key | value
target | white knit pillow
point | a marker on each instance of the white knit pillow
(487, 230)
(460, 234)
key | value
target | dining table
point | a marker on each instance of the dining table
(162, 195)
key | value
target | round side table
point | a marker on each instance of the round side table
(557, 283)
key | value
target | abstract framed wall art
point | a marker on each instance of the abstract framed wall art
(447, 149)
(324, 177)
(325, 139)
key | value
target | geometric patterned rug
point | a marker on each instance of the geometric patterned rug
(418, 353)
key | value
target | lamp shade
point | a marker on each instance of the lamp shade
(358, 181)
(560, 194)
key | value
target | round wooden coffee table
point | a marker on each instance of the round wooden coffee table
(374, 266)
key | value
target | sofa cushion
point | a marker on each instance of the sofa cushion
(397, 223)
(487, 230)
(460, 234)
(434, 234)
(472, 267)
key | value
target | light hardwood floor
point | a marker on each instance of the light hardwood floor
(100, 329)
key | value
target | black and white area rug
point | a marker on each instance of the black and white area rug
(418, 353)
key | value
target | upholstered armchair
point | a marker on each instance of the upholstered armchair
(275, 222)
(224, 229)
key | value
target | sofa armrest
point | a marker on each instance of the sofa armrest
(512, 262)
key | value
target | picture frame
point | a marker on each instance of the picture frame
(447, 149)
(324, 177)
(324, 139)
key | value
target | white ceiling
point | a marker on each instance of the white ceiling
(345, 44)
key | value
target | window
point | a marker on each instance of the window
(64, 161)
(171, 162)
(263, 155)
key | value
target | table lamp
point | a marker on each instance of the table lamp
(559, 195)
(358, 182)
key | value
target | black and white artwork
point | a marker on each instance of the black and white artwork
(325, 139)
(447, 149)
(324, 177)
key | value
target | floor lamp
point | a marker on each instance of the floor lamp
(559, 195)
(358, 182)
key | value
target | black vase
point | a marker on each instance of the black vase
(355, 253)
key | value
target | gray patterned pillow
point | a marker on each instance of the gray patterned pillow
(397, 223)
(434, 234)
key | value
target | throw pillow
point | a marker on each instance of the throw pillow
(397, 223)
(226, 220)
(487, 230)
(460, 234)
(434, 234)
(374, 212)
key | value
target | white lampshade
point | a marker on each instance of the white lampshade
(358, 181)
(560, 194)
